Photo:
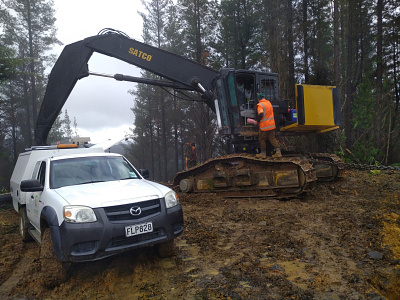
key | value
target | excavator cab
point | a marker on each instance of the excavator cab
(236, 99)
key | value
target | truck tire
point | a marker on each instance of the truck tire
(166, 249)
(24, 225)
(54, 271)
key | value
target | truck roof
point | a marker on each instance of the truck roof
(77, 155)
(27, 160)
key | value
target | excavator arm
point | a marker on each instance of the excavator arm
(72, 66)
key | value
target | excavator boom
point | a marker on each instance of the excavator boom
(72, 66)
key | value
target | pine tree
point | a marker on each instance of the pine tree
(238, 21)
(391, 82)
(154, 25)
(57, 133)
(67, 126)
(199, 23)
(75, 124)
(8, 64)
(30, 31)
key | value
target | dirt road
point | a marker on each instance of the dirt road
(342, 241)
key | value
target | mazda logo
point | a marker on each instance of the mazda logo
(135, 211)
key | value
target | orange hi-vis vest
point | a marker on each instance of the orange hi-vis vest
(267, 122)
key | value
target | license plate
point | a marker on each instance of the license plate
(138, 229)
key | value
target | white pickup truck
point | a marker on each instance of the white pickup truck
(83, 204)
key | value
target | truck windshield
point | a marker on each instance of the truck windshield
(73, 171)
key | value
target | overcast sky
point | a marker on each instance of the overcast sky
(101, 106)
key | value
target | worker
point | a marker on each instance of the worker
(190, 155)
(266, 121)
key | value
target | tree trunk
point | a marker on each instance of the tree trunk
(151, 137)
(176, 141)
(379, 75)
(305, 37)
(158, 152)
(28, 124)
(13, 124)
(164, 138)
(336, 50)
(199, 47)
(397, 101)
(32, 66)
(349, 89)
(290, 45)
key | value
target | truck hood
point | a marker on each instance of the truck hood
(104, 194)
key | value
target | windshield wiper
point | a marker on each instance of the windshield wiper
(92, 181)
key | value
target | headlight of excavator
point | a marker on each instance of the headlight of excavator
(171, 199)
(79, 214)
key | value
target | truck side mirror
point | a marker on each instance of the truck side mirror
(145, 173)
(31, 185)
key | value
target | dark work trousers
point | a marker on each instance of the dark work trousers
(263, 136)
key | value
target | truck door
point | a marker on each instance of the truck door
(34, 203)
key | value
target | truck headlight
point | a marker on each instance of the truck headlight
(171, 199)
(79, 214)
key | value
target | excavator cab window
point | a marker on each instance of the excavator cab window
(241, 86)
(236, 94)
(223, 109)
(233, 99)
(225, 91)
(246, 90)
(269, 88)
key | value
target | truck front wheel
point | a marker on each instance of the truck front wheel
(54, 270)
(24, 225)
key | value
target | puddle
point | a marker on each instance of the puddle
(245, 284)
(191, 252)
(211, 271)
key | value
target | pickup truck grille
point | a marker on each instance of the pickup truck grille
(122, 213)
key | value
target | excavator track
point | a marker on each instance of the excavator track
(245, 175)
(327, 166)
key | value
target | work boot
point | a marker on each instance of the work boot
(262, 154)
(277, 153)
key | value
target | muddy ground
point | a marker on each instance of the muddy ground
(341, 241)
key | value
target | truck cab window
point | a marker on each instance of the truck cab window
(42, 173)
(36, 170)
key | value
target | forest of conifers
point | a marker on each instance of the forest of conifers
(352, 44)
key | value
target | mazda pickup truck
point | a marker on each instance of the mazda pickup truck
(83, 204)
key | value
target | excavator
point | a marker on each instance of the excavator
(231, 94)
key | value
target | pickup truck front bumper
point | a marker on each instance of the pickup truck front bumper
(77, 242)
